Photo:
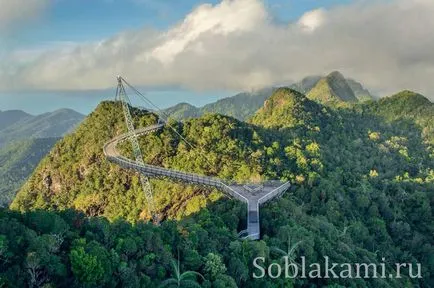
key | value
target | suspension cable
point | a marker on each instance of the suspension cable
(165, 119)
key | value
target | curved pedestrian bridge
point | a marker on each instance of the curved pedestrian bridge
(253, 194)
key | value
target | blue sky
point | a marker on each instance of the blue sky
(205, 52)
(84, 20)
(89, 20)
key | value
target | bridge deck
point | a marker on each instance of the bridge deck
(254, 195)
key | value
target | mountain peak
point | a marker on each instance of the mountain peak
(287, 108)
(408, 98)
(182, 111)
(335, 74)
(332, 89)
(410, 106)
(9, 117)
(411, 94)
(67, 111)
(283, 96)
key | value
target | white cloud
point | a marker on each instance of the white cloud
(312, 19)
(224, 19)
(387, 45)
(17, 11)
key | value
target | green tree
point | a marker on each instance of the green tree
(85, 267)
(214, 266)
(185, 279)
(3, 249)
(290, 253)
(224, 281)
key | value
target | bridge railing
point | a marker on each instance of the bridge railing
(123, 137)
(160, 171)
(275, 193)
(194, 178)
(232, 192)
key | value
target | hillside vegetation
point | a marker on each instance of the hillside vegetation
(22, 126)
(332, 89)
(26, 139)
(410, 107)
(288, 108)
(17, 162)
(76, 174)
(363, 190)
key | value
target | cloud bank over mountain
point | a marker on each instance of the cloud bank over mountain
(237, 44)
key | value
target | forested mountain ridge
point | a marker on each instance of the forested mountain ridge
(308, 83)
(240, 106)
(408, 106)
(10, 117)
(183, 111)
(24, 140)
(51, 124)
(244, 105)
(332, 89)
(17, 162)
(76, 174)
(287, 108)
(363, 190)
(76, 165)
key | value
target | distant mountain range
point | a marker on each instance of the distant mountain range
(24, 140)
(8, 118)
(17, 125)
(332, 89)
(240, 106)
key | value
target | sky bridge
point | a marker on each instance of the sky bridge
(252, 194)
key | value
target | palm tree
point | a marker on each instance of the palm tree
(186, 279)
(290, 253)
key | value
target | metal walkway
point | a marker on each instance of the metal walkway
(254, 195)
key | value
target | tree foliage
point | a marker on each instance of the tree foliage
(363, 191)
(17, 162)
